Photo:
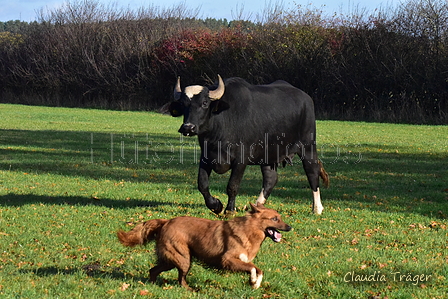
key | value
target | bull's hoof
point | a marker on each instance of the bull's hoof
(216, 206)
(318, 210)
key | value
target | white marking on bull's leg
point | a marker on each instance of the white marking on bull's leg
(261, 199)
(244, 258)
(317, 204)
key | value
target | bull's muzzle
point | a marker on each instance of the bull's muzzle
(188, 129)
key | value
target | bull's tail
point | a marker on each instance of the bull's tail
(324, 175)
(142, 233)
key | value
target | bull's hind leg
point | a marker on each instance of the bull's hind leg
(234, 185)
(269, 181)
(312, 168)
(317, 204)
(312, 173)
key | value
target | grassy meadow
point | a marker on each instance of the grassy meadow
(70, 178)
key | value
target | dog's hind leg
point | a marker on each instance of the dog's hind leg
(183, 269)
(182, 277)
(159, 268)
(173, 253)
(183, 265)
(237, 265)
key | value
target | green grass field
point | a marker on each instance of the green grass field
(70, 178)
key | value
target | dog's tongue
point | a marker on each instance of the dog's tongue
(277, 236)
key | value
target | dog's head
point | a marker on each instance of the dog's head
(270, 220)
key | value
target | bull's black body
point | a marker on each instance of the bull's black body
(249, 125)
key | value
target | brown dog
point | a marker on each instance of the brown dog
(230, 245)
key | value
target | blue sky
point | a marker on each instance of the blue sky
(25, 10)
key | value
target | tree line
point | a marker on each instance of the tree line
(388, 65)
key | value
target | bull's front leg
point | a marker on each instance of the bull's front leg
(203, 185)
(233, 186)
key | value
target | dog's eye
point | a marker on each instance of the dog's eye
(275, 219)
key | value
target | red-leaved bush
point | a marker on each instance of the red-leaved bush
(381, 67)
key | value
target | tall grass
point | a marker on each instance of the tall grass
(70, 178)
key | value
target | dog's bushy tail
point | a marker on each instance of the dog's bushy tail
(142, 233)
(324, 175)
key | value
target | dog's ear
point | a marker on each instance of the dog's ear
(260, 205)
(255, 208)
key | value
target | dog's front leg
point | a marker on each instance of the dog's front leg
(237, 265)
(256, 276)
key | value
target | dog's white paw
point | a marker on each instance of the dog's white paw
(258, 282)
(255, 279)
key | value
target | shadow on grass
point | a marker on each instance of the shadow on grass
(94, 270)
(99, 271)
(374, 174)
(95, 155)
(15, 200)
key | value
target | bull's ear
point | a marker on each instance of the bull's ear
(219, 106)
(176, 109)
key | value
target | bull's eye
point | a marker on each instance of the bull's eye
(204, 104)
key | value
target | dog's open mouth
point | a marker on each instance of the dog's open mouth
(274, 234)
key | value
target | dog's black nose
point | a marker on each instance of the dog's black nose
(288, 228)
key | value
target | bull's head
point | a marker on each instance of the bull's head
(195, 103)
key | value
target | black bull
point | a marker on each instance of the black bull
(240, 124)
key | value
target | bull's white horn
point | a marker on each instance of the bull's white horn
(218, 92)
(177, 90)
